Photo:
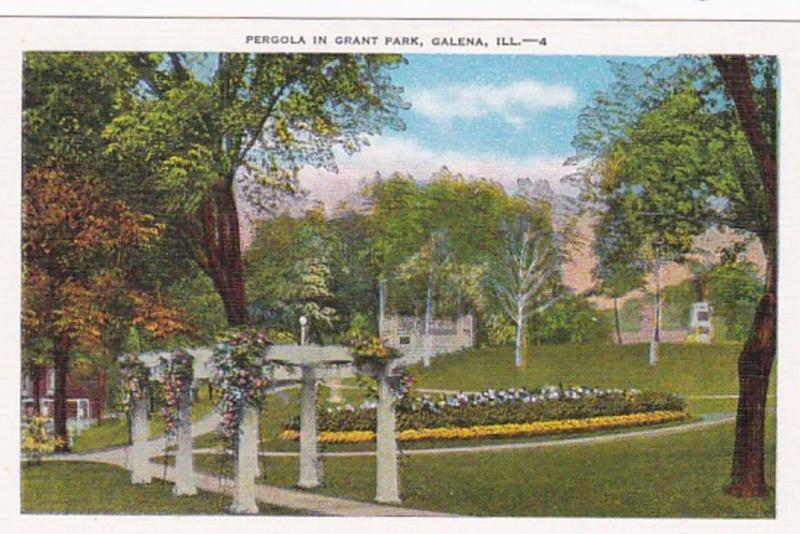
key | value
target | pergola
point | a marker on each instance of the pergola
(283, 364)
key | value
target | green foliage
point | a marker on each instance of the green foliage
(207, 121)
(677, 305)
(572, 319)
(668, 165)
(68, 99)
(289, 275)
(630, 315)
(734, 290)
(37, 440)
(620, 266)
(499, 331)
(281, 337)
(440, 234)
(358, 328)
(194, 292)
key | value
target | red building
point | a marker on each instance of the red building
(85, 396)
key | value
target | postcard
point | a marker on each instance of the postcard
(280, 270)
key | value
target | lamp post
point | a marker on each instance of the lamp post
(303, 328)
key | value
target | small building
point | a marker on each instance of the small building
(700, 322)
(85, 398)
(407, 335)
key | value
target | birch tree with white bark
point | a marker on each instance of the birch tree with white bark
(520, 279)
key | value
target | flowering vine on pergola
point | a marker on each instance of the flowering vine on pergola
(245, 366)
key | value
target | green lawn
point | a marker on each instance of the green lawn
(114, 432)
(92, 488)
(682, 369)
(673, 476)
(688, 370)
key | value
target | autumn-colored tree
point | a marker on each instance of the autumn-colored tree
(77, 290)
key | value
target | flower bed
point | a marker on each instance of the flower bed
(591, 424)
(435, 417)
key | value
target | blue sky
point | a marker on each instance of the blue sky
(540, 121)
(501, 117)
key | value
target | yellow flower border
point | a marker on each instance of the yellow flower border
(539, 428)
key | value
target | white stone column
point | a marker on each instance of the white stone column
(310, 472)
(244, 494)
(388, 487)
(140, 433)
(184, 462)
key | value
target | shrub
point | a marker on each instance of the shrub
(572, 319)
(37, 441)
(500, 331)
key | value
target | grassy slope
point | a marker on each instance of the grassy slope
(90, 488)
(682, 369)
(114, 432)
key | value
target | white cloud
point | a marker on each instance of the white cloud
(511, 102)
(391, 154)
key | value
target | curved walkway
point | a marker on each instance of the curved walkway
(293, 499)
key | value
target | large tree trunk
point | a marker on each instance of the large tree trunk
(61, 358)
(223, 254)
(755, 365)
(758, 354)
(616, 321)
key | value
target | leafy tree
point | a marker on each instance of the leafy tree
(211, 134)
(695, 139)
(619, 268)
(76, 292)
(678, 300)
(194, 293)
(433, 238)
(354, 281)
(288, 273)
(68, 100)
